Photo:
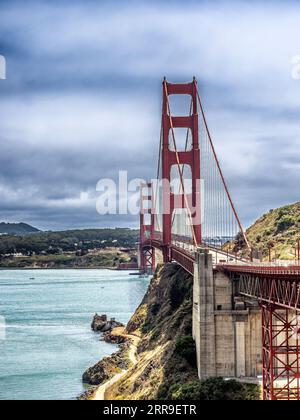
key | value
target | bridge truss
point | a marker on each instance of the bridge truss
(278, 291)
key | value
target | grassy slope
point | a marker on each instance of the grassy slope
(279, 229)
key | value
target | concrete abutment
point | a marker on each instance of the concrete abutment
(227, 330)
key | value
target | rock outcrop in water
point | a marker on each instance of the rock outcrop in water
(102, 324)
(107, 367)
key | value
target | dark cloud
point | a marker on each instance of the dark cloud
(82, 99)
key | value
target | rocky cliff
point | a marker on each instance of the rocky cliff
(164, 363)
(166, 352)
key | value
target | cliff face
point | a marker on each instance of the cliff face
(166, 352)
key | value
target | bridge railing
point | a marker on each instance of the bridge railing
(186, 245)
(257, 269)
(278, 263)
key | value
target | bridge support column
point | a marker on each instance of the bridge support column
(146, 250)
(204, 331)
(281, 353)
(227, 330)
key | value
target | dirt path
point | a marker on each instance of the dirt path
(100, 393)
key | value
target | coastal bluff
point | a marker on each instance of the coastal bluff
(160, 323)
(157, 354)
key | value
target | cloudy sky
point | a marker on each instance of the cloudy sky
(82, 99)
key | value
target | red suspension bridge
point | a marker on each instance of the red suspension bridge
(189, 207)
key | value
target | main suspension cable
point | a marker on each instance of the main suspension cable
(220, 171)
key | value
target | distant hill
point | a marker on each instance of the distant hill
(279, 230)
(68, 241)
(16, 229)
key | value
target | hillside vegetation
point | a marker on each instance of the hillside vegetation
(68, 241)
(278, 230)
(107, 258)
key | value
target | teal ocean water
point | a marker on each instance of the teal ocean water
(48, 313)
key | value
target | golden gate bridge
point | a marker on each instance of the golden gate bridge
(189, 208)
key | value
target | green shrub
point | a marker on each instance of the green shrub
(284, 223)
(181, 289)
(185, 347)
(155, 309)
(214, 389)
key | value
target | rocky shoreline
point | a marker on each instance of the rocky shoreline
(105, 369)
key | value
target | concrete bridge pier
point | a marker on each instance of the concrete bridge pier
(227, 330)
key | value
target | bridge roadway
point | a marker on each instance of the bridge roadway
(273, 283)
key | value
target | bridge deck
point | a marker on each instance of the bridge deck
(184, 252)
